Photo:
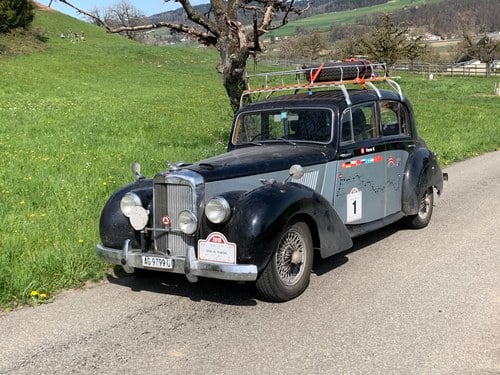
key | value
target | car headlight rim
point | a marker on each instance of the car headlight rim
(188, 222)
(128, 202)
(218, 210)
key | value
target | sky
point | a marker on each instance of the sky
(148, 7)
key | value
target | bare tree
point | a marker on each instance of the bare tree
(313, 45)
(308, 47)
(486, 49)
(121, 14)
(222, 29)
(390, 42)
(124, 14)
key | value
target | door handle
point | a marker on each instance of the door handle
(346, 155)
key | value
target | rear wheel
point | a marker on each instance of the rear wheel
(425, 206)
(288, 272)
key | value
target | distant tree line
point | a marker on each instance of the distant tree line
(14, 14)
(246, 17)
(450, 17)
(327, 6)
(397, 36)
(444, 18)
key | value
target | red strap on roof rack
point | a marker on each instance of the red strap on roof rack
(316, 73)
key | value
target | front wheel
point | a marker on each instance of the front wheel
(288, 272)
(425, 206)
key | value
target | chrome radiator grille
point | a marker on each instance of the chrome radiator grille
(169, 200)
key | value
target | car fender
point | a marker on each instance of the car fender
(422, 171)
(259, 215)
(114, 227)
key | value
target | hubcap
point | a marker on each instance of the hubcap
(290, 257)
(425, 203)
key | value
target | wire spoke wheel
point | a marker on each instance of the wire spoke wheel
(289, 257)
(288, 272)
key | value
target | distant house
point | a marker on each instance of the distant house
(431, 37)
(470, 67)
(494, 36)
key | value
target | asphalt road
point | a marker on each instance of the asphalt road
(401, 302)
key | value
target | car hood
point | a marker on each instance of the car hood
(259, 159)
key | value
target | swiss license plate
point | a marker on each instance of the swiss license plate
(157, 262)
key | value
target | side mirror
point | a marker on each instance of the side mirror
(136, 170)
(296, 171)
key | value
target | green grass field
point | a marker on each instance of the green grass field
(74, 117)
(325, 21)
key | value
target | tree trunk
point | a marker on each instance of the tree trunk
(233, 59)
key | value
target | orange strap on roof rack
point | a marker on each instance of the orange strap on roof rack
(316, 73)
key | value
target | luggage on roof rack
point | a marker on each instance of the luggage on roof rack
(339, 71)
(333, 75)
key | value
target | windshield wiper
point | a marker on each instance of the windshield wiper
(287, 141)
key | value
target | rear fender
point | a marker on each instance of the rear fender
(422, 172)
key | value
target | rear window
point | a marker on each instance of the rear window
(393, 119)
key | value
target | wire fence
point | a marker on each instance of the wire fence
(461, 70)
(474, 70)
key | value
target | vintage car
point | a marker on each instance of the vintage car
(308, 167)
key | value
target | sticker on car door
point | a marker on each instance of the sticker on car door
(354, 205)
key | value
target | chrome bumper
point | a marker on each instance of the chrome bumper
(129, 259)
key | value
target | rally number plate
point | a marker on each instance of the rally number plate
(157, 262)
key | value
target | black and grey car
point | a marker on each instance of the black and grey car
(304, 173)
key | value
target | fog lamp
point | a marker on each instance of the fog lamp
(129, 202)
(188, 223)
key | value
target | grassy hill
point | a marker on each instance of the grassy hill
(325, 21)
(74, 117)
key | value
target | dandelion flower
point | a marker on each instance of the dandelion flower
(80, 241)
(34, 293)
(43, 296)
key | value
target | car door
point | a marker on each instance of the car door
(360, 189)
(396, 135)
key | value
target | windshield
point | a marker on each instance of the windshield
(311, 125)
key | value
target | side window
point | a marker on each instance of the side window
(247, 128)
(346, 135)
(359, 124)
(393, 118)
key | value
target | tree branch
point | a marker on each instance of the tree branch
(268, 12)
(198, 18)
(203, 36)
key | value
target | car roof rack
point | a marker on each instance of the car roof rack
(309, 78)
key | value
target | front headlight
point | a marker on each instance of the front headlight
(129, 202)
(188, 222)
(218, 210)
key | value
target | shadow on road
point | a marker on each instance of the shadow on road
(322, 266)
(213, 290)
(228, 292)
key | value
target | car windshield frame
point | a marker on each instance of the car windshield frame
(286, 124)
